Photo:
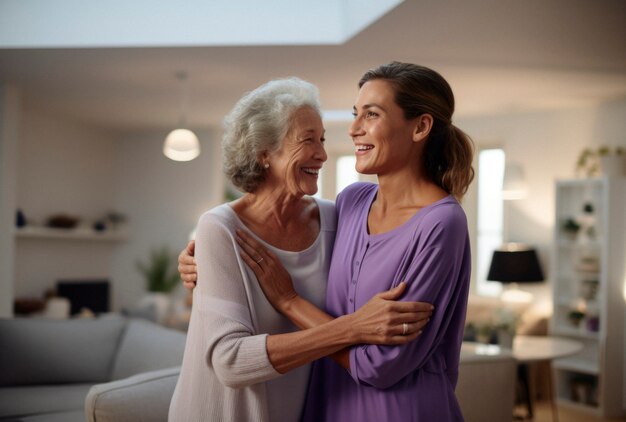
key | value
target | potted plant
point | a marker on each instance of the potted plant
(161, 277)
(506, 325)
(570, 228)
(602, 160)
(484, 333)
(575, 316)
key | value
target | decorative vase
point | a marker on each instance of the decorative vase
(157, 304)
(20, 219)
(613, 165)
(505, 339)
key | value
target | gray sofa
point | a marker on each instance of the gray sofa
(48, 370)
(71, 370)
(485, 391)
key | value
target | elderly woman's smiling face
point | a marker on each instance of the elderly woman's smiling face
(296, 165)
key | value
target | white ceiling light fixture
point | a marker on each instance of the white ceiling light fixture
(182, 144)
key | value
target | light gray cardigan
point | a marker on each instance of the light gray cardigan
(226, 374)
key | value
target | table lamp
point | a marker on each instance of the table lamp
(514, 264)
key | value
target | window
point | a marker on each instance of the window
(490, 216)
(346, 173)
(320, 185)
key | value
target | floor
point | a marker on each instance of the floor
(543, 413)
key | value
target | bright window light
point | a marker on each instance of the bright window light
(346, 173)
(320, 183)
(490, 216)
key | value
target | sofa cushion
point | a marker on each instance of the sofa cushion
(143, 397)
(41, 351)
(146, 347)
(27, 400)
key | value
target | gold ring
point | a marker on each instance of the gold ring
(259, 261)
(405, 328)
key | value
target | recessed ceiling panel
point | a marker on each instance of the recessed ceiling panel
(150, 23)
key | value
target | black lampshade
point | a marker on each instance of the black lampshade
(515, 266)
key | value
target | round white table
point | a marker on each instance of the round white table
(528, 349)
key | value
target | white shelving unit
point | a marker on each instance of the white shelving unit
(589, 293)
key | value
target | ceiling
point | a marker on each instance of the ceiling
(499, 56)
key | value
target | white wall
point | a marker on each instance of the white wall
(546, 145)
(66, 167)
(9, 133)
(163, 200)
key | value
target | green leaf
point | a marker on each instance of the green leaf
(160, 272)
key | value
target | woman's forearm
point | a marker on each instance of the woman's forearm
(382, 320)
(321, 335)
(305, 315)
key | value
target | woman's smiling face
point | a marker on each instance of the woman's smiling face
(381, 134)
(295, 166)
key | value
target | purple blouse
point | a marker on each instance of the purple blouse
(412, 382)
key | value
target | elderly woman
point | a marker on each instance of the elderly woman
(243, 359)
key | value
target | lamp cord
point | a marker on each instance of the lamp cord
(184, 90)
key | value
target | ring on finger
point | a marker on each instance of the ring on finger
(405, 328)
(259, 261)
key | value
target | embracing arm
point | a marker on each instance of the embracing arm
(370, 324)
(380, 321)
(222, 328)
(187, 265)
(221, 332)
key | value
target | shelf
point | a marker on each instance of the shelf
(575, 332)
(582, 407)
(591, 306)
(577, 365)
(575, 245)
(80, 233)
(592, 268)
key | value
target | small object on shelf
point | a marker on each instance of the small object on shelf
(588, 264)
(505, 339)
(484, 333)
(587, 223)
(99, 226)
(28, 305)
(115, 219)
(593, 323)
(575, 316)
(589, 289)
(20, 218)
(584, 390)
(62, 221)
(570, 228)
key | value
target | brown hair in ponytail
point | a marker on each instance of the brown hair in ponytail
(448, 151)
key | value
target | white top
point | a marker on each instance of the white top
(226, 374)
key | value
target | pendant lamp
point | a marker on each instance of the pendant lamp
(182, 144)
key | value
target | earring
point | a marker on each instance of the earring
(266, 165)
